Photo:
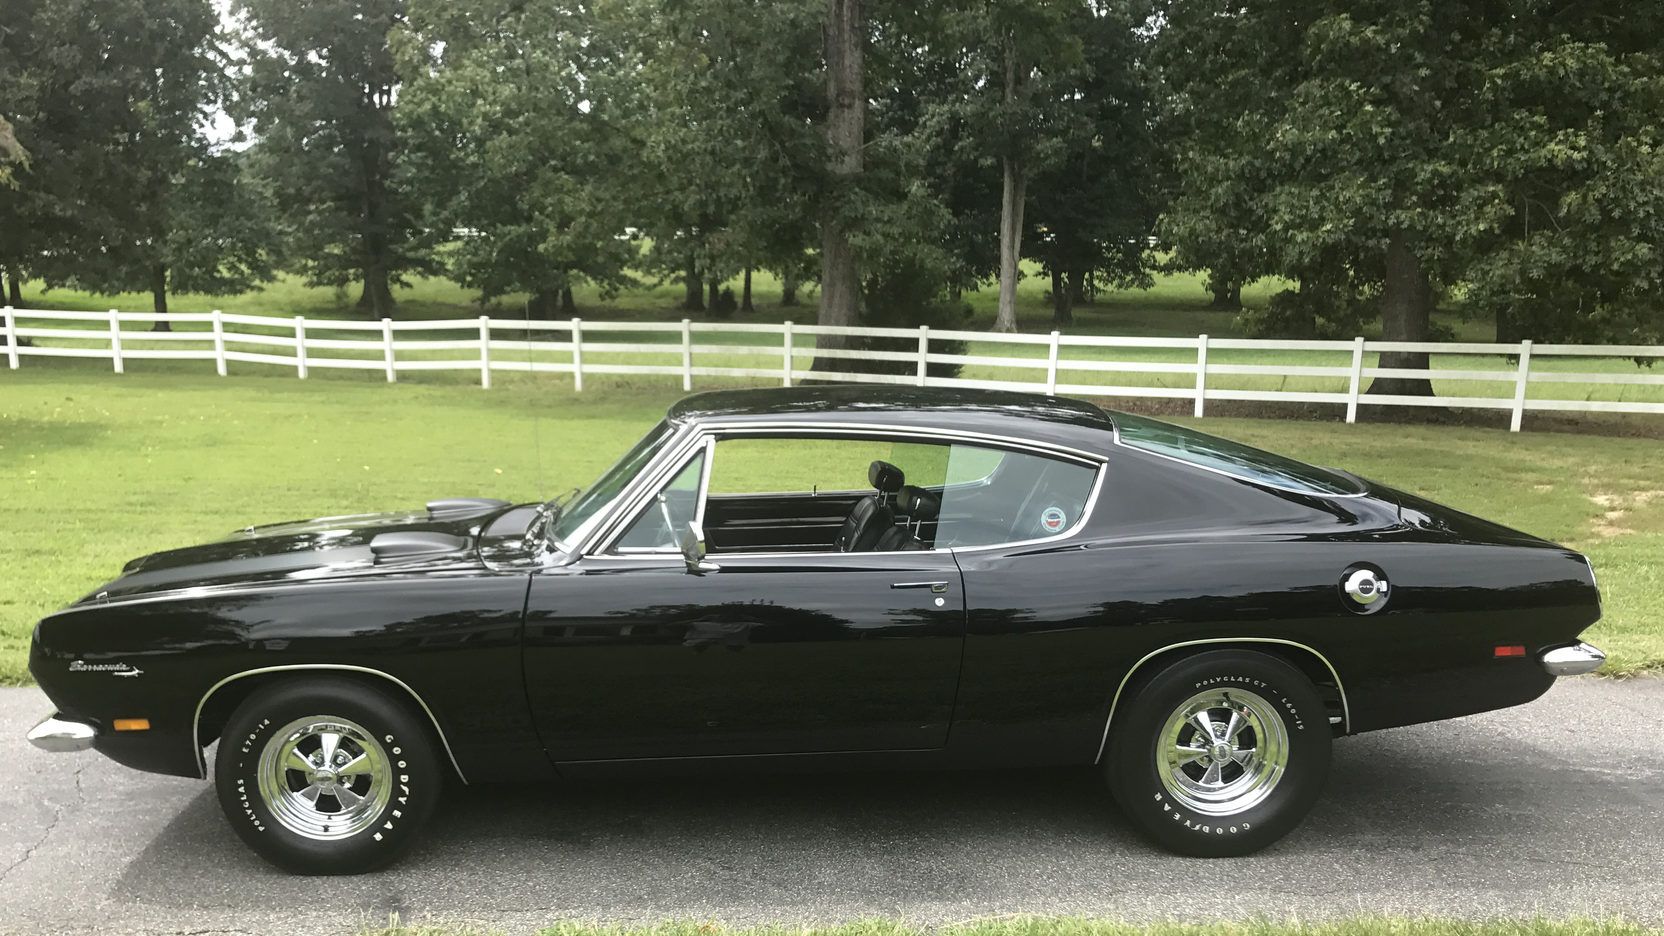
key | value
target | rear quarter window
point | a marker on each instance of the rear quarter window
(1231, 458)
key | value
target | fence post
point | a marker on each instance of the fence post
(1201, 372)
(786, 351)
(1519, 386)
(387, 348)
(578, 355)
(1051, 367)
(924, 353)
(11, 338)
(485, 352)
(300, 346)
(219, 342)
(687, 355)
(1357, 379)
(115, 341)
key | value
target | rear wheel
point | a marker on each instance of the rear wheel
(1220, 754)
(326, 776)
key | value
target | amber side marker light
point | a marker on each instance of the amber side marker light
(131, 724)
(1510, 650)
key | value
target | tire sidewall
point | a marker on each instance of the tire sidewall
(416, 775)
(1138, 786)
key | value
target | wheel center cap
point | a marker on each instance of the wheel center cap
(1221, 752)
(324, 777)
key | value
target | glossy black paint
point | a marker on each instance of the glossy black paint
(533, 662)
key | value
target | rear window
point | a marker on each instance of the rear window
(1232, 458)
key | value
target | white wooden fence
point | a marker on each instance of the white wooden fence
(1053, 366)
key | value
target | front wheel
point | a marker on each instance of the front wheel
(326, 776)
(1220, 754)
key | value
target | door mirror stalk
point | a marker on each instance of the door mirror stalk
(692, 541)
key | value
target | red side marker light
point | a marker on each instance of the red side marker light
(1509, 650)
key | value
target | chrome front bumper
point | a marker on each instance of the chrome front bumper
(60, 735)
(1573, 660)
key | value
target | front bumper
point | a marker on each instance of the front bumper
(1572, 660)
(60, 735)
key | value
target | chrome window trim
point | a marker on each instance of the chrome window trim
(1115, 430)
(1345, 709)
(710, 433)
(196, 719)
(613, 549)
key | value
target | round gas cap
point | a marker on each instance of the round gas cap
(1365, 586)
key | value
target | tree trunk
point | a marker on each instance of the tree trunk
(840, 279)
(542, 304)
(1011, 244)
(1011, 210)
(693, 287)
(1078, 293)
(377, 297)
(1406, 311)
(568, 305)
(788, 289)
(715, 295)
(745, 292)
(159, 297)
(1226, 296)
(14, 289)
(1508, 328)
(1063, 305)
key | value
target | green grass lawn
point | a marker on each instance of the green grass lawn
(1075, 926)
(99, 469)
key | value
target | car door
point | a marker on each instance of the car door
(628, 654)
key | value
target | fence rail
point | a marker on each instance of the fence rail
(1194, 368)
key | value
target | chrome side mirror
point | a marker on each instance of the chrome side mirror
(692, 542)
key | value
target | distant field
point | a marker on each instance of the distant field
(99, 469)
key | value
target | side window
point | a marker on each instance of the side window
(678, 502)
(995, 496)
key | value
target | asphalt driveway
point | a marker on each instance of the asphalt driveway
(1555, 808)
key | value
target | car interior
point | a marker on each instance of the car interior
(1018, 496)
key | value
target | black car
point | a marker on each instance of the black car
(830, 577)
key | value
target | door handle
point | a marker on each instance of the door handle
(935, 587)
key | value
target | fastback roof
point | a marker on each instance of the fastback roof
(1016, 414)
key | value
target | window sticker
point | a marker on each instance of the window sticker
(1052, 519)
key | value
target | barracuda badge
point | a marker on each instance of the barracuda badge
(114, 669)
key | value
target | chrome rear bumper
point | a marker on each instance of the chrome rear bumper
(60, 735)
(1573, 660)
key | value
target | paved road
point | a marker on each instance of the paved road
(1554, 808)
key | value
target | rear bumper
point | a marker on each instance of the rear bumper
(61, 735)
(1572, 660)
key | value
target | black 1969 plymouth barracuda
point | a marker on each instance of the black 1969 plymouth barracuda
(827, 578)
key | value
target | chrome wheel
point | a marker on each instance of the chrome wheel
(324, 778)
(1222, 752)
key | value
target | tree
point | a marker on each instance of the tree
(12, 154)
(1388, 151)
(846, 98)
(322, 93)
(512, 135)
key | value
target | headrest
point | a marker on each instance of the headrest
(920, 504)
(886, 477)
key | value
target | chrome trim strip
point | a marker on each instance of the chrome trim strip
(1345, 710)
(196, 720)
(62, 735)
(1573, 660)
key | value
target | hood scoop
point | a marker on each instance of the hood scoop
(453, 506)
(414, 545)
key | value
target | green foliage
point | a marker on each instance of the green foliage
(321, 93)
(12, 154)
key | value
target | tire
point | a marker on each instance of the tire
(358, 821)
(1269, 775)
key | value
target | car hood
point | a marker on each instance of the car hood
(311, 549)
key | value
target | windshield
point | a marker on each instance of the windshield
(1232, 458)
(587, 508)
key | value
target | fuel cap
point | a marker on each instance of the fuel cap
(1364, 588)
